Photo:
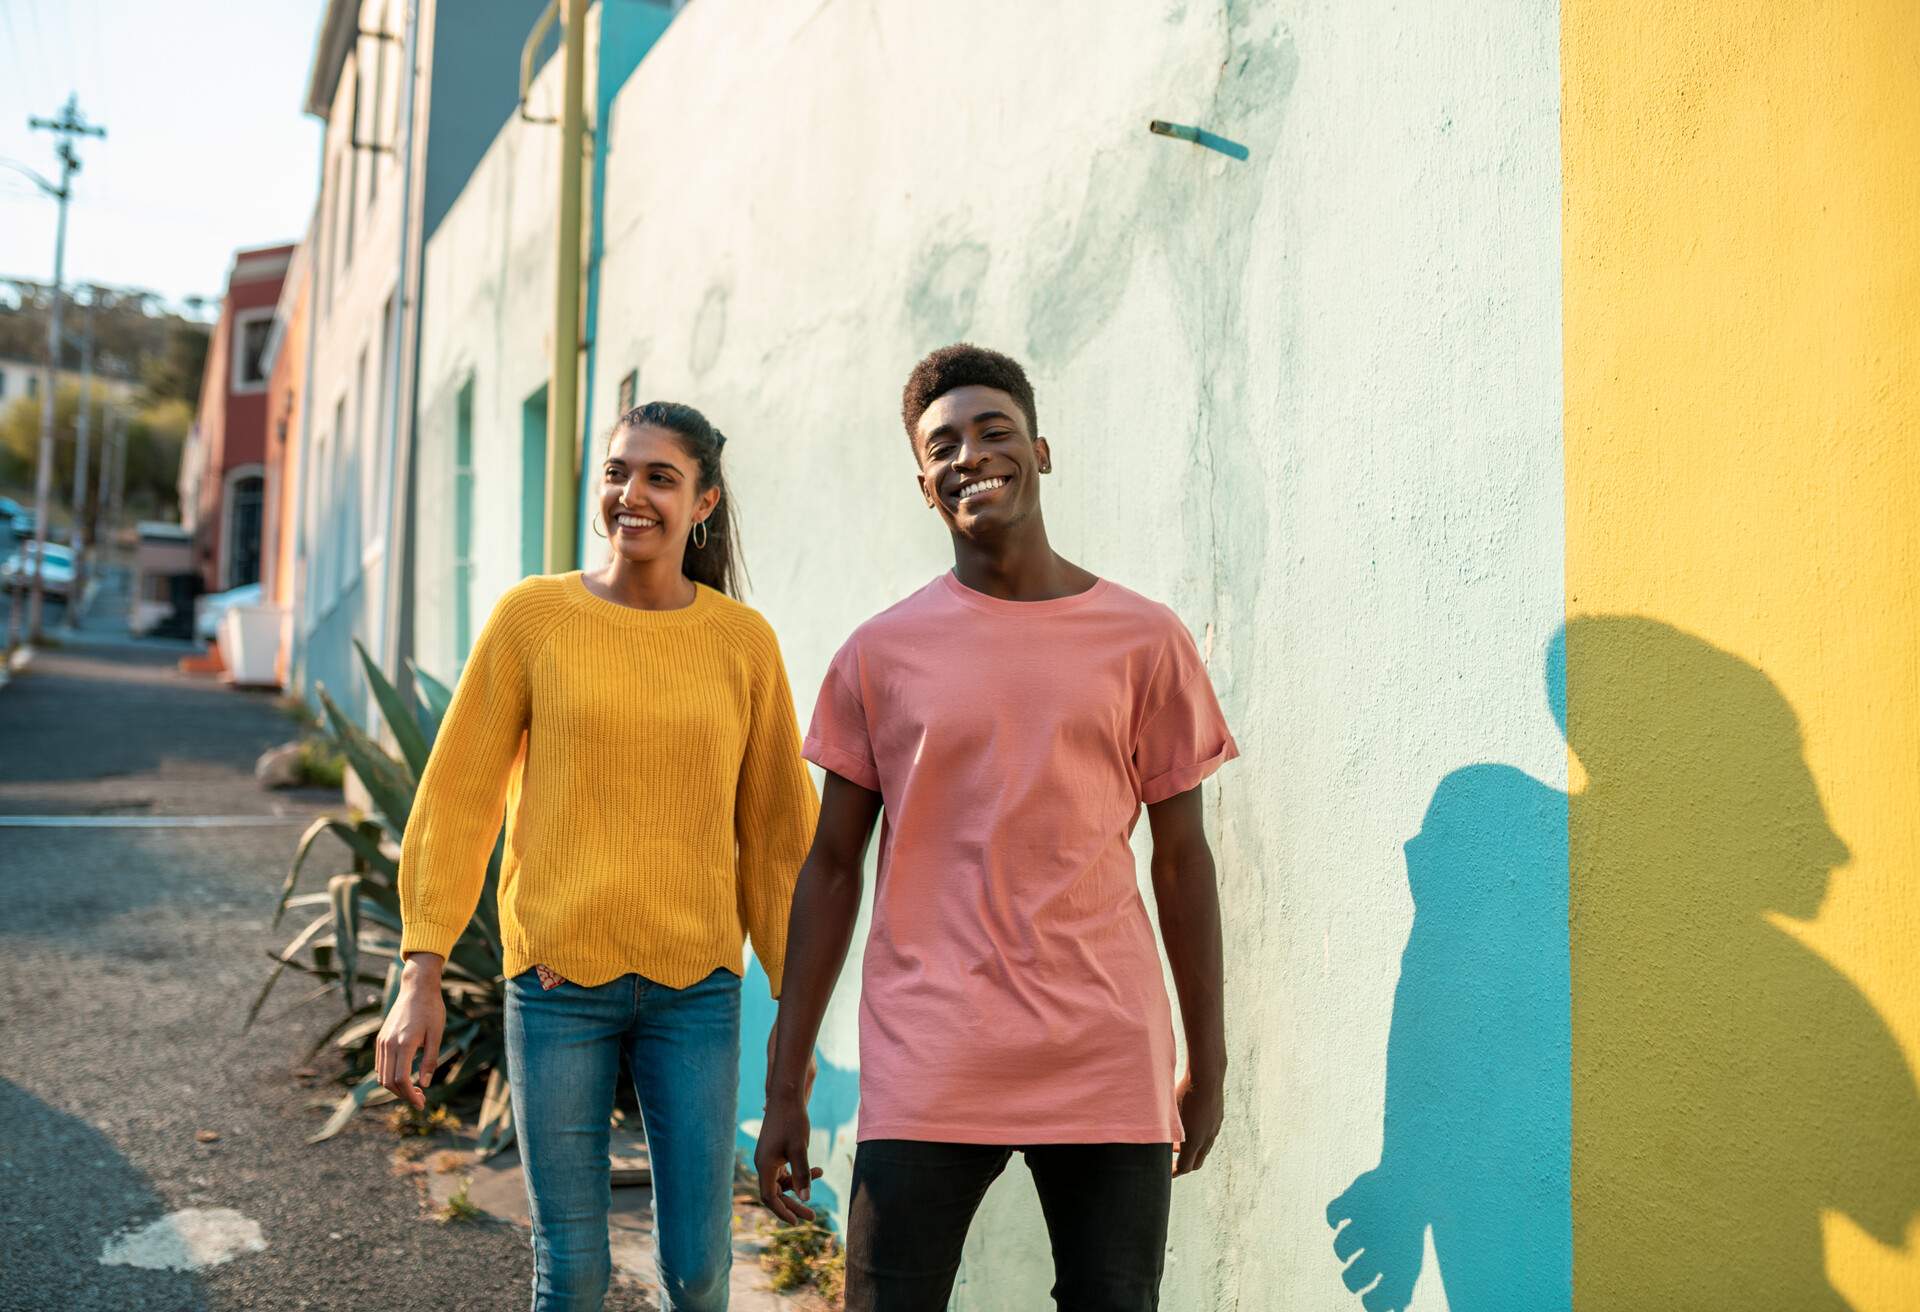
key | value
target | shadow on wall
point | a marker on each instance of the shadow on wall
(1683, 1114)
(836, 1089)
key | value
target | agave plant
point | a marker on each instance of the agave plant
(352, 944)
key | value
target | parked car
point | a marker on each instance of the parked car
(209, 610)
(17, 517)
(56, 576)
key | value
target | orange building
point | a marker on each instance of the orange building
(280, 553)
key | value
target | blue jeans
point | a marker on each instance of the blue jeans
(563, 1055)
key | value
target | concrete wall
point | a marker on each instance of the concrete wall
(1742, 282)
(1310, 397)
(357, 244)
(1628, 644)
(487, 322)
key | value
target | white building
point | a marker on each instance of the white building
(390, 166)
(21, 377)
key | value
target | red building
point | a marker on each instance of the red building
(223, 473)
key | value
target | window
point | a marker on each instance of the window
(463, 523)
(246, 506)
(326, 248)
(3, 382)
(533, 484)
(338, 505)
(349, 202)
(629, 392)
(344, 500)
(383, 502)
(376, 134)
(361, 490)
(252, 330)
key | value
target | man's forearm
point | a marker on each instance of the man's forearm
(826, 905)
(1189, 905)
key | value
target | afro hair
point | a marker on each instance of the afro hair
(964, 365)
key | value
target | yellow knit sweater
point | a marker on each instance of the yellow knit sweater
(661, 809)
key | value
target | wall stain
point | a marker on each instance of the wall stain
(709, 330)
(945, 289)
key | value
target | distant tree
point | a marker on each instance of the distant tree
(156, 432)
(173, 373)
(132, 328)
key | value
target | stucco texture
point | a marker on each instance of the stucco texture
(1517, 407)
(1311, 399)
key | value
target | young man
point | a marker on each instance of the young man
(1010, 718)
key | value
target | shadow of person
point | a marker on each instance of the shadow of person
(836, 1089)
(1680, 1088)
(1475, 1139)
(66, 1193)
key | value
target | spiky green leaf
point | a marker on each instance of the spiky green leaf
(386, 780)
(433, 698)
(400, 722)
(345, 893)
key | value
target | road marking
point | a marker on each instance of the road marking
(149, 821)
(185, 1241)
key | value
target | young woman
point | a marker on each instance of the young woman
(634, 723)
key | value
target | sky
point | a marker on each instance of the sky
(207, 149)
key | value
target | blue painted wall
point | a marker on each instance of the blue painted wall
(628, 30)
(475, 89)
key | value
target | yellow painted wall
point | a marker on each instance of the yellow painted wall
(1742, 352)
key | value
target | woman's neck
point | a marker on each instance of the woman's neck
(643, 585)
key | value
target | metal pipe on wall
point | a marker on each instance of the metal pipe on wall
(563, 389)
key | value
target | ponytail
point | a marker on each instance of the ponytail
(719, 563)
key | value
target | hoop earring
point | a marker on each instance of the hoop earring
(594, 524)
(700, 535)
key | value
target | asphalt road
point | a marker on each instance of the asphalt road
(127, 959)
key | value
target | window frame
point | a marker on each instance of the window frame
(236, 351)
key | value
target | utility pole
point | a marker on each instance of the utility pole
(119, 467)
(109, 454)
(76, 536)
(66, 127)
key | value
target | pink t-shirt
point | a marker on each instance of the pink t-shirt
(1012, 989)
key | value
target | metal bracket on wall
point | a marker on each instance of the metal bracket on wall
(535, 39)
(541, 26)
(1199, 137)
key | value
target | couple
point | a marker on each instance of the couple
(1009, 719)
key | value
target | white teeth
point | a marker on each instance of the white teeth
(985, 485)
(634, 521)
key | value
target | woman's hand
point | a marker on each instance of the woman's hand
(413, 1026)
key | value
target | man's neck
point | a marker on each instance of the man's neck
(1020, 565)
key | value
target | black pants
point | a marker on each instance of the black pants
(1105, 1204)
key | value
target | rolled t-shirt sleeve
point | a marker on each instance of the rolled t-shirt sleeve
(838, 739)
(1183, 737)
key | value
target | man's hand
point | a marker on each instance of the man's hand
(781, 1159)
(1203, 1105)
(414, 1026)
